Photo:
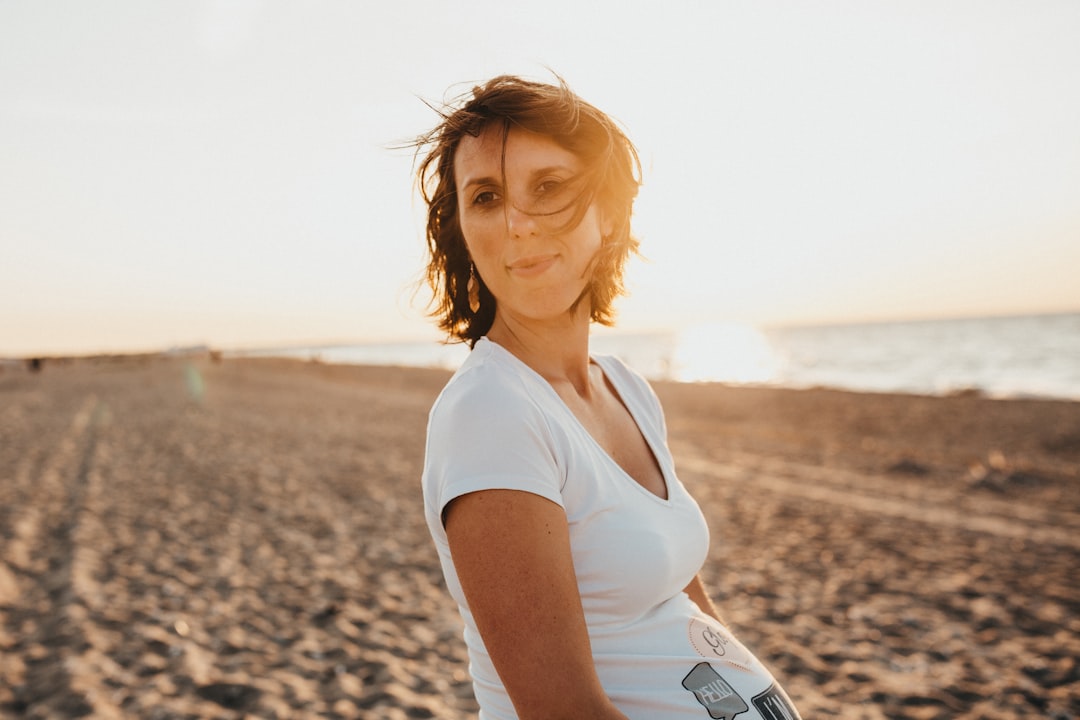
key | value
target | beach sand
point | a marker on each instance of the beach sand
(181, 538)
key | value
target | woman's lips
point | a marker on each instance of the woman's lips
(532, 265)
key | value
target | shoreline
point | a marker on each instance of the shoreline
(1031, 356)
(308, 356)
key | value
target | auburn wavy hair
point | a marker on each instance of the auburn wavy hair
(611, 178)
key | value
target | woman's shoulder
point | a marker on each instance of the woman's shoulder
(625, 377)
(491, 382)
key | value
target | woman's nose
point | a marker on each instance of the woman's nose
(519, 222)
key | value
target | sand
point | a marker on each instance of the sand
(181, 538)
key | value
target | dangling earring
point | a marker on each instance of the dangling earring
(473, 288)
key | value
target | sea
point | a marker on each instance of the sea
(1033, 356)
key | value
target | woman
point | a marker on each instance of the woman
(569, 544)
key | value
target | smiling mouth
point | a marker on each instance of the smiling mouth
(532, 265)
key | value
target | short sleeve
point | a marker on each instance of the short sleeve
(485, 432)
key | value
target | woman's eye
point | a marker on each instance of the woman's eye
(484, 198)
(548, 186)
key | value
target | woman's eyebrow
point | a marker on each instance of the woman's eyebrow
(487, 180)
(552, 169)
(490, 180)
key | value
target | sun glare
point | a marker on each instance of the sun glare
(724, 352)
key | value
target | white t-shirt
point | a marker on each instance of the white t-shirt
(499, 425)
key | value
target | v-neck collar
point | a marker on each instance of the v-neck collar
(602, 362)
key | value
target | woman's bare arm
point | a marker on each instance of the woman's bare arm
(511, 550)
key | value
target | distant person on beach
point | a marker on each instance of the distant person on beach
(572, 549)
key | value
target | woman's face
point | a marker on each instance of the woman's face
(514, 226)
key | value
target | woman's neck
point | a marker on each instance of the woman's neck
(557, 350)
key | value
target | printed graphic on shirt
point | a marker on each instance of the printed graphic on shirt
(713, 641)
(714, 693)
(773, 704)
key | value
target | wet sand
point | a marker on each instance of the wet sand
(191, 539)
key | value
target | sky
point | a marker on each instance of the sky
(188, 172)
